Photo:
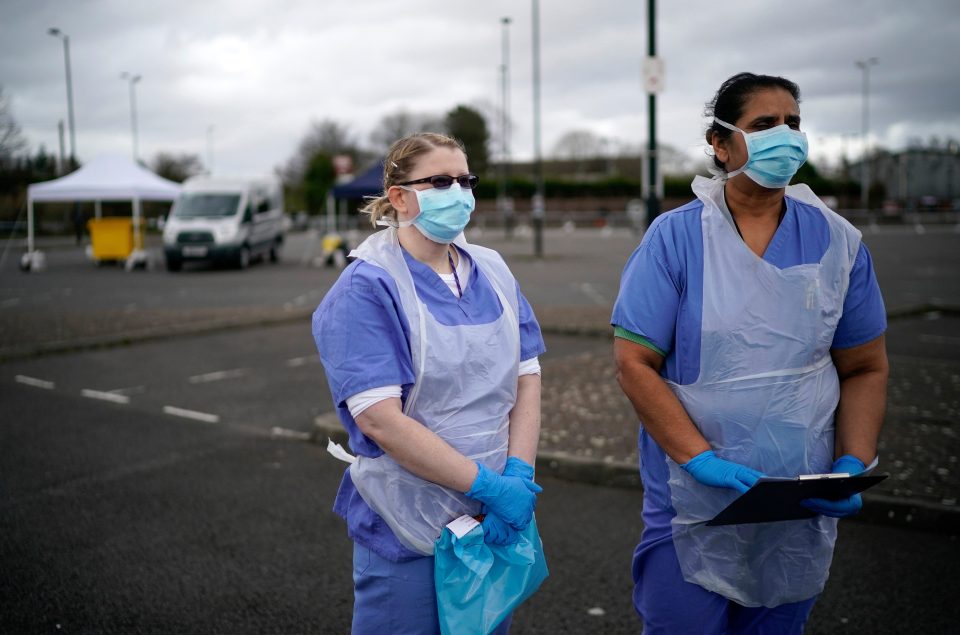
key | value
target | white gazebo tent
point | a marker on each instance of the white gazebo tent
(106, 178)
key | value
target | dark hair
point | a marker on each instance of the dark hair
(727, 105)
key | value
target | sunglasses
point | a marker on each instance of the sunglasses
(442, 181)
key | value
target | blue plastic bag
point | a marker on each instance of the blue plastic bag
(479, 584)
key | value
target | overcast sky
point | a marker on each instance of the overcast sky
(259, 71)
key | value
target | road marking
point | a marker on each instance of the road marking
(587, 289)
(289, 434)
(217, 375)
(33, 381)
(105, 396)
(10, 302)
(132, 390)
(301, 361)
(191, 414)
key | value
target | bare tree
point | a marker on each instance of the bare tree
(400, 124)
(324, 137)
(12, 141)
(578, 145)
(176, 167)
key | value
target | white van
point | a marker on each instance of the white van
(229, 221)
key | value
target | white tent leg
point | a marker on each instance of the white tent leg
(33, 260)
(97, 212)
(138, 256)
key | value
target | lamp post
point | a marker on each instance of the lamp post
(132, 80)
(209, 149)
(538, 196)
(864, 65)
(504, 204)
(55, 32)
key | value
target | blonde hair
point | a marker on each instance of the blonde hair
(401, 160)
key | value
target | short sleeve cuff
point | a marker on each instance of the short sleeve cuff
(619, 331)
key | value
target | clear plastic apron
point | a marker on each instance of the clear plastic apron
(765, 397)
(465, 388)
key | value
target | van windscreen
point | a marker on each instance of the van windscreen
(194, 205)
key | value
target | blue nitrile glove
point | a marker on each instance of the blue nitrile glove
(495, 529)
(715, 472)
(518, 467)
(512, 498)
(845, 506)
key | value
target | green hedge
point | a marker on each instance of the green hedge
(618, 186)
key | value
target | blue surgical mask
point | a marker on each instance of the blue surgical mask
(443, 213)
(773, 155)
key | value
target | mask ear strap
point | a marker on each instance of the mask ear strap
(733, 173)
(392, 222)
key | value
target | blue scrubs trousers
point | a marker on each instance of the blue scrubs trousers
(669, 604)
(396, 597)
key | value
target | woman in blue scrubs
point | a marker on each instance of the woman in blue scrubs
(749, 339)
(431, 352)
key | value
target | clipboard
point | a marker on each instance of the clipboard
(773, 499)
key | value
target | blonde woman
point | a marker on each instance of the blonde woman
(430, 351)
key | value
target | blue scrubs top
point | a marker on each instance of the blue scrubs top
(361, 333)
(661, 301)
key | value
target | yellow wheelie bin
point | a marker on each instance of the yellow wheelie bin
(112, 238)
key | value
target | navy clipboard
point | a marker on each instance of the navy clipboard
(773, 499)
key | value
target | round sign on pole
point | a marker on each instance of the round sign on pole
(652, 75)
(343, 164)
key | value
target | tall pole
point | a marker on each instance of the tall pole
(209, 150)
(132, 80)
(653, 203)
(538, 202)
(62, 165)
(66, 63)
(506, 209)
(864, 65)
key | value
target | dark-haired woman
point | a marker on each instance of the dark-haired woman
(431, 352)
(749, 339)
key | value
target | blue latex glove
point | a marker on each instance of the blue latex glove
(715, 472)
(495, 529)
(512, 498)
(845, 506)
(518, 467)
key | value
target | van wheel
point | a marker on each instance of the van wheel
(275, 252)
(243, 257)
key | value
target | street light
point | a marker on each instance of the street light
(864, 65)
(132, 80)
(505, 205)
(538, 202)
(55, 32)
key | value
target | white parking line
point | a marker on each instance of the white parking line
(10, 302)
(294, 362)
(105, 396)
(33, 381)
(289, 434)
(191, 414)
(588, 290)
(217, 375)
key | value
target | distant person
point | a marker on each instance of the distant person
(750, 340)
(431, 352)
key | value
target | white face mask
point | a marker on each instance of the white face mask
(773, 155)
